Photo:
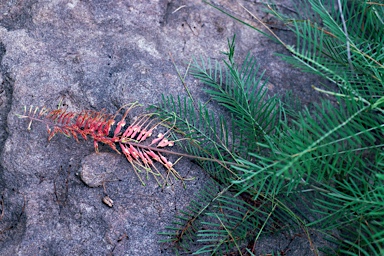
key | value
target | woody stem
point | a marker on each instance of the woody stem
(182, 154)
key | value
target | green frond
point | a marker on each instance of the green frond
(316, 148)
(343, 44)
(204, 135)
(321, 171)
(182, 233)
(242, 91)
(355, 206)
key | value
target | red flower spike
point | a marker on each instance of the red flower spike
(141, 135)
(165, 143)
(153, 155)
(108, 126)
(169, 165)
(149, 160)
(142, 157)
(128, 132)
(98, 126)
(163, 159)
(80, 120)
(96, 145)
(126, 153)
(136, 129)
(121, 123)
(159, 138)
(133, 152)
(118, 127)
(146, 135)
(48, 129)
(74, 135)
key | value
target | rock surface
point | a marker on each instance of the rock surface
(102, 54)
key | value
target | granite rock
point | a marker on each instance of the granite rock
(102, 54)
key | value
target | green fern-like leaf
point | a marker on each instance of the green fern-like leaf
(206, 135)
(242, 91)
(320, 172)
(253, 119)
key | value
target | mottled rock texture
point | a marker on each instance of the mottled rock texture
(102, 54)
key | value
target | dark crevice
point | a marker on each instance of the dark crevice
(6, 91)
(167, 12)
(6, 86)
(12, 217)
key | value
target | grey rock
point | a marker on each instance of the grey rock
(96, 169)
(101, 55)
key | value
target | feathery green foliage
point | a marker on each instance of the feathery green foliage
(225, 222)
(319, 174)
